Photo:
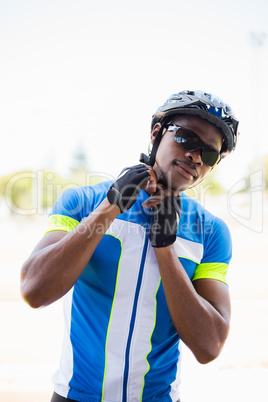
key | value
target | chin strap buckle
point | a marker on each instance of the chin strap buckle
(144, 159)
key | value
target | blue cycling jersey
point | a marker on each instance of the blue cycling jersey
(119, 341)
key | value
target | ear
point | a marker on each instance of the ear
(155, 131)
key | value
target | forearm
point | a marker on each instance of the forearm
(198, 323)
(52, 271)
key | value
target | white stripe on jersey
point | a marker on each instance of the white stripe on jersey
(189, 249)
(65, 372)
(144, 326)
(121, 314)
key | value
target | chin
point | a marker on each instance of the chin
(178, 185)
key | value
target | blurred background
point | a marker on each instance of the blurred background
(79, 83)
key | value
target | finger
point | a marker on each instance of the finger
(138, 168)
(152, 202)
(143, 178)
(151, 185)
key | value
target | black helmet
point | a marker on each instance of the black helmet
(202, 104)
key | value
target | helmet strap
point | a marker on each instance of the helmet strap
(150, 160)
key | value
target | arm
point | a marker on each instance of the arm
(200, 311)
(60, 257)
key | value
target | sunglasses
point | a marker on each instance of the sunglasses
(191, 142)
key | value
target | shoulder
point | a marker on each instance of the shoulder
(195, 214)
(78, 202)
(200, 225)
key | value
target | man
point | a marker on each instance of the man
(140, 264)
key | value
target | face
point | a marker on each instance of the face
(177, 167)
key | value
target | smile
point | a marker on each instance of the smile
(186, 170)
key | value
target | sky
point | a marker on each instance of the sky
(90, 74)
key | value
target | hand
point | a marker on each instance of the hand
(164, 225)
(125, 190)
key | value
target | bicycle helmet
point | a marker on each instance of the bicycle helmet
(198, 103)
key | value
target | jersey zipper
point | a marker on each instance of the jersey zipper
(134, 311)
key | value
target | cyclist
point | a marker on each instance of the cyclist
(141, 265)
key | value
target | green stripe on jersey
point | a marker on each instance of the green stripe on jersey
(61, 222)
(211, 270)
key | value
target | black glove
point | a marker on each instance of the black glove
(165, 222)
(124, 191)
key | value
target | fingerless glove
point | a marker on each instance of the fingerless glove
(164, 225)
(125, 190)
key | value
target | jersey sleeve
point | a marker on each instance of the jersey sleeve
(67, 211)
(217, 253)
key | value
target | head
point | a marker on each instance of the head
(182, 158)
(176, 166)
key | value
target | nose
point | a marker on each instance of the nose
(195, 156)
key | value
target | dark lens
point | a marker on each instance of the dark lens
(187, 138)
(210, 158)
(190, 141)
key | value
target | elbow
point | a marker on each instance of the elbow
(207, 356)
(30, 297)
(29, 291)
(31, 302)
(37, 293)
(211, 349)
